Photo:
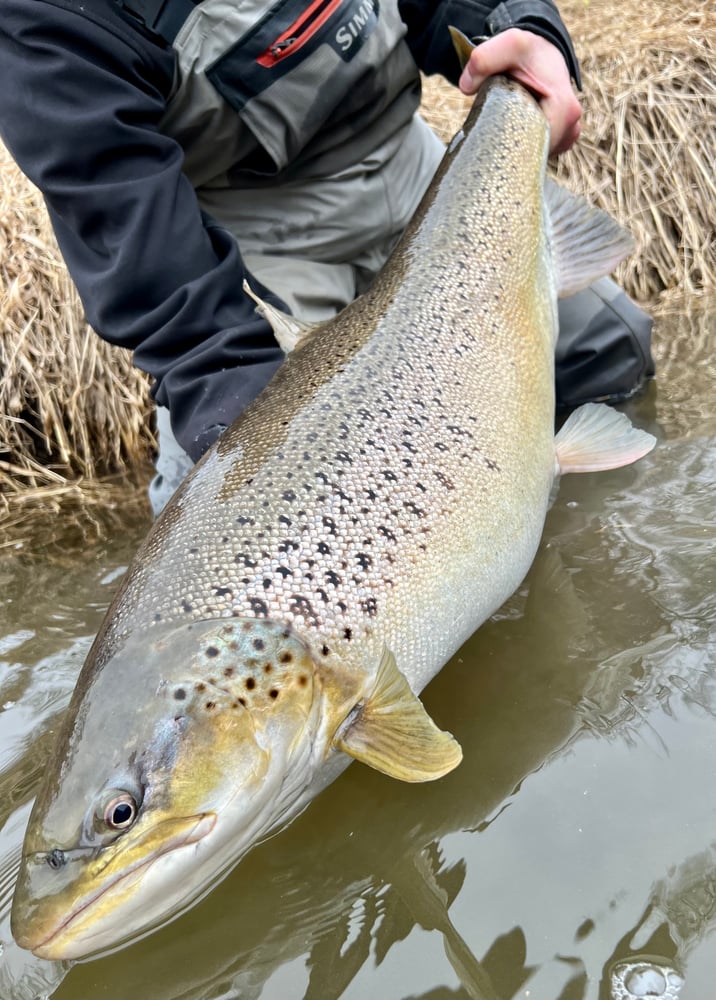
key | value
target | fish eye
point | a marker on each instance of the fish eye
(120, 812)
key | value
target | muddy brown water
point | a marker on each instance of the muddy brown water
(572, 855)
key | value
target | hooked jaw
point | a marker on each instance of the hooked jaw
(86, 915)
(220, 757)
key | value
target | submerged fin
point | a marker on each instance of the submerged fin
(392, 732)
(587, 243)
(596, 437)
(288, 331)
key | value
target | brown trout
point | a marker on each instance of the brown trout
(381, 498)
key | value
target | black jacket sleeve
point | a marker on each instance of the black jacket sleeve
(81, 97)
(429, 39)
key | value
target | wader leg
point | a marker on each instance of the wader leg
(603, 349)
(172, 463)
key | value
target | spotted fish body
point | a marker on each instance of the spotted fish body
(328, 555)
(378, 493)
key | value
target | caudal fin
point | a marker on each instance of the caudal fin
(596, 437)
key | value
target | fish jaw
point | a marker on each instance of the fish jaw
(218, 754)
(72, 924)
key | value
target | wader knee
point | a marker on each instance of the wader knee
(603, 349)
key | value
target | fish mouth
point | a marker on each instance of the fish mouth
(70, 936)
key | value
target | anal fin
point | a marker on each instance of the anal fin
(595, 437)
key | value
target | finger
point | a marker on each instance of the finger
(497, 55)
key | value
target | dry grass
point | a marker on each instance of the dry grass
(73, 410)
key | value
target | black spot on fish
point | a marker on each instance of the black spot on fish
(157, 617)
(210, 706)
(211, 651)
(223, 592)
(180, 694)
(267, 668)
(273, 693)
(302, 606)
(259, 607)
(186, 607)
(267, 582)
(284, 520)
(193, 551)
(303, 680)
(347, 634)
(289, 495)
(250, 683)
(284, 571)
(242, 701)
(387, 533)
(370, 606)
(324, 549)
(258, 644)
(325, 651)
(329, 523)
(285, 657)
(364, 560)
(413, 508)
(444, 480)
(229, 672)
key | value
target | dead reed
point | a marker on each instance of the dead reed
(72, 408)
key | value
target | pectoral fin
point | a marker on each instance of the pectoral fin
(290, 332)
(392, 732)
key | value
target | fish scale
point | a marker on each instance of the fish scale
(322, 562)
(357, 480)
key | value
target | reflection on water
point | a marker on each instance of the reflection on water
(572, 856)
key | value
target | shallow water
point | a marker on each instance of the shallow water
(572, 855)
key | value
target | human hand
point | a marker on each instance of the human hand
(540, 66)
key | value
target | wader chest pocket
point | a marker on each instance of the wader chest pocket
(285, 39)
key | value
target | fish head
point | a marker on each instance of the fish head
(189, 745)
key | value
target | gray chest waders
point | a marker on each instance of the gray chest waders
(298, 125)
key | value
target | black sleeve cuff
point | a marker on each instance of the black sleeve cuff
(429, 40)
(540, 17)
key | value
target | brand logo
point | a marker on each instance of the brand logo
(355, 28)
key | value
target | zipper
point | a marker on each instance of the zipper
(302, 30)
